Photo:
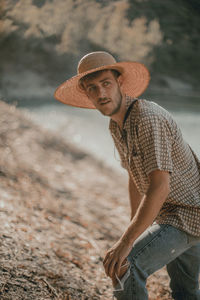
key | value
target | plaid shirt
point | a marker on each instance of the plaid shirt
(151, 140)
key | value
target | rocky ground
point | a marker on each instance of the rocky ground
(61, 209)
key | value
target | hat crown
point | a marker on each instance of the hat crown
(95, 60)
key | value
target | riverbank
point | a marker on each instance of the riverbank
(61, 209)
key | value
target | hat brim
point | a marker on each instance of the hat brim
(135, 76)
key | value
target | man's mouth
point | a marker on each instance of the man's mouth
(104, 102)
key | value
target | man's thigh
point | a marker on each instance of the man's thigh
(157, 246)
(184, 274)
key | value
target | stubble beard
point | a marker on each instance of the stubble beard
(117, 108)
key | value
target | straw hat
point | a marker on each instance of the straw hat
(135, 78)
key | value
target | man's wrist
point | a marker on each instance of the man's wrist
(127, 239)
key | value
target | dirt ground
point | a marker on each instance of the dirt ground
(61, 209)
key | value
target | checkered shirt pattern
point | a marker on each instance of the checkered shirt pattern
(151, 140)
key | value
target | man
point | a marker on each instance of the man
(164, 178)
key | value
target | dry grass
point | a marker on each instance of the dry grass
(60, 211)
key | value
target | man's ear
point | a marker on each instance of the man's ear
(120, 80)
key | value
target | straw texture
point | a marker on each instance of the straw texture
(135, 78)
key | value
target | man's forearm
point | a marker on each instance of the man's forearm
(134, 197)
(146, 212)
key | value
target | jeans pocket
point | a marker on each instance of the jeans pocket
(120, 285)
(123, 289)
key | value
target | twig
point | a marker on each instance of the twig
(3, 287)
(49, 286)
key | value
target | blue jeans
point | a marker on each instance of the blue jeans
(158, 246)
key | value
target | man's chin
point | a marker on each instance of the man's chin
(107, 114)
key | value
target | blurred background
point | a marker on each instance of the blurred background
(41, 42)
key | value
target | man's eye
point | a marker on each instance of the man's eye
(106, 83)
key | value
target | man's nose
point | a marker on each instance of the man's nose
(102, 92)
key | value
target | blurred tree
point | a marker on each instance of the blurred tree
(179, 53)
(47, 38)
(60, 32)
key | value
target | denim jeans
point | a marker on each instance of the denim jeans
(158, 246)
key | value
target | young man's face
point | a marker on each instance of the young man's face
(104, 92)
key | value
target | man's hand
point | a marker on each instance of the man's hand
(147, 211)
(115, 258)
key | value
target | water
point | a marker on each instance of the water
(88, 129)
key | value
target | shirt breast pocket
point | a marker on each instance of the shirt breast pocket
(136, 162)
(135, 158)
(135, 153)
(137, 169)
